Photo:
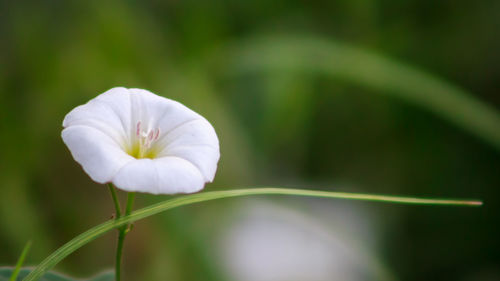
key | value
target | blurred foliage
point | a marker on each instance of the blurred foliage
(289, 106)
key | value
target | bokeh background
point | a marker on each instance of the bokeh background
(378, 96)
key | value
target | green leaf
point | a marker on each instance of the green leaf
(106, 276)
(99, 230)
(6, 272)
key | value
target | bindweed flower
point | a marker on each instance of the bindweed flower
(142, 142)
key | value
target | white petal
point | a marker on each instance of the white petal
(185, 133)
(166, 175)
(99, 155)
(159, 112)
(196, 142)
(108, 113)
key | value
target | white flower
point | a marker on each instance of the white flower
(142, 142)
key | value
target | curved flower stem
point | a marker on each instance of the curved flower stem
(130, 203)
(115, 200)
(122, 232)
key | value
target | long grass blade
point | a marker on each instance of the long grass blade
(99, 230)
(309, 54)
(20, 261)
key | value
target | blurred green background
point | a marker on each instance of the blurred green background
(392, 97)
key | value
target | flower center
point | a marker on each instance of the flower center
(143, 146)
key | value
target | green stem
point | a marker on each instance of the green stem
(122, 232)
(130, 203)
(115, 199)
(119, 251)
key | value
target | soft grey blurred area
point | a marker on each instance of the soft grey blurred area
(317, 241)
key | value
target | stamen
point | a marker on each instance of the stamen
(145, 139)
(138, 128)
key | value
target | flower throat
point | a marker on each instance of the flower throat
(143, 146)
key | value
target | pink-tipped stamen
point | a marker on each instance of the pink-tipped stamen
(138, 131)
(146, 138)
